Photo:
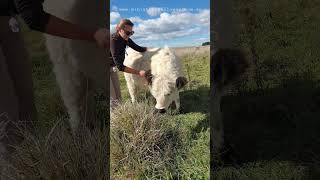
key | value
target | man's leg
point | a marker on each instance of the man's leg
(115, 92)
(20, 70)
(9, 102)
(9, 106)
(16, 92)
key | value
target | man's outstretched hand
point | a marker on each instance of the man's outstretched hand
(102, 37)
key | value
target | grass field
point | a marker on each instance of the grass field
(185, 136)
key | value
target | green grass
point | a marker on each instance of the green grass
(47, 94)
(268, 170)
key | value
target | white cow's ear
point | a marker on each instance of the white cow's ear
(153, 49)
(181, 82)
(151, 52)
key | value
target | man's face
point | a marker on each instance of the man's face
(126, 32)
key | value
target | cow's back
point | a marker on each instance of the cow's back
(166, 63)
(138, 61)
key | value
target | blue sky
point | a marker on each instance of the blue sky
(164, 22)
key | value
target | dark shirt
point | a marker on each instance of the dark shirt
(118, 47)
(31, 11)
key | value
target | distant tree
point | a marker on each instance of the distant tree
(205, 43)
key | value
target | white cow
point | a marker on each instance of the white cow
(167, 75)
(80, 67)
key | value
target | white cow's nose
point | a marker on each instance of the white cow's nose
(158, 106)
(160, 111)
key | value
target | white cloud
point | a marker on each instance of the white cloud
(169, 26)
(202, 39)
(114, 16)
(136, 19)
(204, 17)
(154, 11)
(180, 10)
(114, 8)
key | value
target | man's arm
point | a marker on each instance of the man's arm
(65, 29)
(61, 28)
(136, 47)
(36, 18)
(131, 71)
(117, 59)
(116, 54)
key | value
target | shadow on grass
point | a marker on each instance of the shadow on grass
(195, 100)
(281, 124)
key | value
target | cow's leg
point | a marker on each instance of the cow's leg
(132, 87)
(89, 105)
(133, 91)
(71, 88)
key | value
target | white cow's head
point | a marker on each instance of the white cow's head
(166, 78)
(165, 90)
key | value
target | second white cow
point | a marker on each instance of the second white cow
(167, 75)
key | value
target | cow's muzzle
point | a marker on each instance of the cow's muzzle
(160, 111)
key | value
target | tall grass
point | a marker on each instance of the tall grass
(59, 155)
(143, 144)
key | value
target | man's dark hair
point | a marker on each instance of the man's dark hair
(122, 23)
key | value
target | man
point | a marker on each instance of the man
(119, 41)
